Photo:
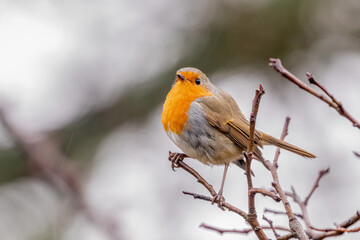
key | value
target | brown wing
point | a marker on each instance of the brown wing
(223, 113)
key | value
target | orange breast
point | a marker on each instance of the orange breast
(177, 104)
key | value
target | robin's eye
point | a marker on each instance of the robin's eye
(198, 81)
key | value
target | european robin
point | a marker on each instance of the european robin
(205, 122)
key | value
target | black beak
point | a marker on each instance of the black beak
(180, 76)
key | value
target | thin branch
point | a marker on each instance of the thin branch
(316, 184)
(283, 135)
(294, 223)
(328, 98)
(255, 108)
(264, 192)
(267, 210)
(339, 229)
(286, 237)
(252, 218)
(271, 226)
(357, 154)
(312, 80)
(226, 205)
(327, 232)
(243, 231)
(303, 208)
(198, 177)
(199, 196)
(222, 231)
(340, 107)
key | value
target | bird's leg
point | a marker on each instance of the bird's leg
(175, 158)
(219, 197)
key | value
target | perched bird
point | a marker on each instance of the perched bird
(205, 122)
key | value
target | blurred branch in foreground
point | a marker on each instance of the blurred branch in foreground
(47, 161)
(296, 229)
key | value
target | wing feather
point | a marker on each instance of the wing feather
(222, 112)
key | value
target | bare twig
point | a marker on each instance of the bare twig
(316, 185)
(267, 210)
(255, 108)
(283, 135)
(198, 196)
(338, 229)
(286, 237)
(304, 212)
(294, 223)
(328, 98)
(222, 231)
(243, 231)
(265, 193)
(328, 232)
(198, 177)
(226, 205)
(252, 217)
(271, 226)
(356, 154)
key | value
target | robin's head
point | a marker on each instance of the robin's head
(190, 84)
(193, 76)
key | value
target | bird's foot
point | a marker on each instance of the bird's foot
(175, 158)
(220, 200)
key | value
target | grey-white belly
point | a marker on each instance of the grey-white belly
(201, 141)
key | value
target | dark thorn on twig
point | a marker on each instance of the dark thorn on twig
(310, 78)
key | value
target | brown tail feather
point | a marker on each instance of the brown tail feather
(267, 139)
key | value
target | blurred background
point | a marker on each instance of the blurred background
(83, 153)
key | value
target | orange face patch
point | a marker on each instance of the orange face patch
(191, 76)
(178, 101)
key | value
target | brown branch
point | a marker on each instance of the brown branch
(226, 205)
(252, 217)
(339, 229)
(255, 108)
(316, 184)
(199, 196)
(264, 192)
(303, 208)
(271, 226)
(198, 177)
(294, 223)
(286, 237)
(328, 98)
(328, 232)
(267, 210)
(243, 231)
(340, 108)
(356, 154)
(283, 135)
